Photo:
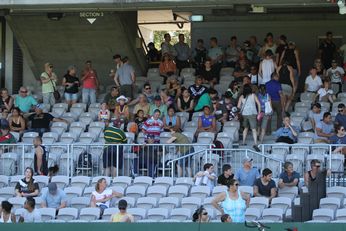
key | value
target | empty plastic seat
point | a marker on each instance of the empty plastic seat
(7, 192)
(80, 202)
(188, 181)
(73, 192)
(4, 181)
(290, 192)
(164, 181)
(108, 213)
(273, 214)
(135, 191)
(330, 203)
(146, 202)
(50, 137)
(219, 189)
(80, 181)
(67, 214)
(207, 203)
(246, 189)
(200, 191)
(17, 202)
(14, 180)
(47, 213)
(259, 203)
(341, 214)
(122, 181)
(137, 213)
(178, 191)
(89, 214)
(143, 180)
(169, 202)
(180, 214)
(252, 214)
(282, 203)
(61, 181)
(158, 214)
(336, 191)
(191, 203)
(131, 201)
(28, 137)
(68, 137)
(8, 163)
(206, 137)
(87, 137)
(157, 191)
(323, 214)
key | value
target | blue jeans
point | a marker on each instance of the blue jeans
(48, 98)
(88, 95)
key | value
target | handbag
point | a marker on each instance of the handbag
(56, 93)
(268, 110)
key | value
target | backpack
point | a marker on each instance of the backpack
(84, 160)
(218, 145)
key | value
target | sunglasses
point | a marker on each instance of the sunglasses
(205, 213)
(148, 88)
(122, 208)
(317, 166)
(342, 129)
(50, 66)
(236, 184)
(23, 91)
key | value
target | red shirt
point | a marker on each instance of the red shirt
(90, 79)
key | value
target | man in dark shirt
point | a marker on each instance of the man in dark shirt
(327, 50)
(197, 90)
(227, 176)
(111, 98)
(274, 90)
(265, 186)
(40, 121)
(340, 118)
(6, 137)
(288, 178)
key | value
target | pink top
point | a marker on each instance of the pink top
(90, 80)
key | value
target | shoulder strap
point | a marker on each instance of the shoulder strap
(242, 107)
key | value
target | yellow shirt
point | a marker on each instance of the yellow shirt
(122, 217)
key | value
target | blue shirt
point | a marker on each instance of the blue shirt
(289, 179)
(54, 201)
(273, 88)
(247, 178)
(283, 131)
(341, 119)
(25, 103)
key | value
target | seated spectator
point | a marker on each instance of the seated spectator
(6, 137)
(233, 91)
(265, 186)
(185, 102)
(53, 197)
(335, 73)
(142, 105)
(206, 122)
(324, 129)
(104, 114)
(24, 101)
(325, 93)
(27, 187)
(313, 82)
(316, 114)
(225, 218)
(16, 121)
(340, 118)
(40, 158)
(197, 90)
(208, 73)
(241, 69)
(200, 215)
(167, 67)
(111, 98)
(40, 121)
(121, 112)
(219, 110)
(247, 174)
(6, 216)
(158, 105)
(30, 214)
(122, 215)
(71, 83)
(147, 91)
(321, 71)
(287, 133)
(153, 126)
(338, 138)
(173, 88)
(171, 121)
(288, 178)
(6, 102)
(165, 98)
(102, 196)
(206, 177)
(140, 119)
(205, 100)
(226, 176)
(315, 173)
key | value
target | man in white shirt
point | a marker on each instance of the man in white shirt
(335, 73)
(30, 214)
(313, 82)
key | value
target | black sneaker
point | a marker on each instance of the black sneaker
(256, 148)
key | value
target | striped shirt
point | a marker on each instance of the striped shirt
(153, 128)
(114, 135)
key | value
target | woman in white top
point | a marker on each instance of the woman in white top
(102, 196)
(266, 68)
(325, 93)
(249, 106)
(5, 213)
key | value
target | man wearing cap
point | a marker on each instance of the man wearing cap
(158, 105)
(247, 174)
(340, 118)
(53, 197)
(122, 215)
(6, 137)
(336, 73)
(24, 101)
(125, 77)
(113, 135)
(40, 120)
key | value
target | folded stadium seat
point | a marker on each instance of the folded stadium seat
(138, 213)
(158, 214)
(76, 111)
(61, 181)
(191, 203)
(184, 114)
(274, 164)
(131, 202)
(143, 180)
(195, 117)
(89, 214)
(169, 202)
(281, 203)
(178, 191)
(97, 131)
(108, 213)
(337, 163)
(41, 180)
(190, 126)
(88, 117)
(226, 139)
(50, 137)
(207, 202)
(187, 181)
(188, 73)
(218, 189)
(189, 135)
(180, 214)
(122, 181)
(38, 201)
(259, 203)
(80, 202)
(73, 192)
(157, 191)
(94, 111)
(226, 71)
(299, 106)
(68, 137)
(67, 214)
(153, 73)
(189, 82)
(333, 203)
(323, 214)
(59, 127)
(164, 181)
(4, 181)
(64, 164)
(164, 137)
(146, 202)
(297, 121)
(311, 157)
(341, 215)
(307, 97)
(16, 135)
(289, 192)
(246, 189)
(17, 202)
(200, 191)
(97, 124)
(337, 192)
(8, 163)
(87, 137)
(58, 111)
(273, 214)
(47, 214)
(28, 137)
(322, 150)
(206, 137)
(135, 191)
(96, 178)
(26, 161)
(252, 214)
(232, 131)
(79, 105)
(80, 181)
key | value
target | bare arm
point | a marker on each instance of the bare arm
(281, 58)
(292, 79)
(306, 179)
(255, 191)
(218, 199)
(116, 79)
(258, 103)
(133, 77)
(9, 104)
(39, 154)
(272, 194)
(177, 126)
(179, 105)
(297, 55)
(322, 134)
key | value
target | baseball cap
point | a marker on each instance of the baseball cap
(247, 159)
(52, 188)
(122, 204)
(40, 106)
(4, 124)
(157, 97)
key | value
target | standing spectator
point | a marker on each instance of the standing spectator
(24, 101)
(153, 56)
(232, 52)
(264, 99)
(324, 129)
(27, 187)
(269, 44)
(158, 105)
(171, 121)
(183, 53)
(90, 83)
(292, 56)
(226, 176)
(208, 73)
(336, 73)
(340, 118)
(167, 47)
(267, 67)
(265, 186)
(215, 53)
(287, 133)
(274, 90)
(254, 48)
(167, 67)
(313, 82)
(118, 62)
(30, 214)
(206, 177)
(122, 215)
(339, 138)
(247, 174)
(233, 202)
(288, 84)
(315, 173)
(205, 100)
(40, 158)
(249, 107)
(327, 50)
(142, 105)
(71, 83)
(199, 55)
(113, 136)
(48, 80)
(125, 77)
(6, 216)
(288, 178)
(111, 98)
(53, 197)
(315, 115)
(342, 51)
(197, 90)
(6, 102)
(16, 121)
(282, 46)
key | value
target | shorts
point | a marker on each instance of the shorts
(109, 157)
(250, 120)
(127, 91)
(71, 96)
(264, 122)
(286, 89)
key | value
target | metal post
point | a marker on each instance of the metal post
(23, 159)
(330, 166)
(117, 168)
(163, 159)
(69, 160)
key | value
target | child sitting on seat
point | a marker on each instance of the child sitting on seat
(206, 177)
(104, 114)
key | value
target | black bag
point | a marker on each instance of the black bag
(84, 160)
(218, 145)
(56, 95)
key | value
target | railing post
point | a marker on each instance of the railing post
(163, 159)
(23, 159)
(69, 160)
(330, 165)
(117, 168)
